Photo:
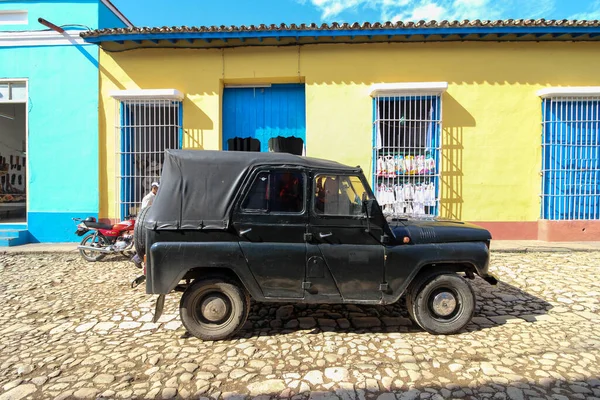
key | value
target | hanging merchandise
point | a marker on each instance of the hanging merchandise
(429, 163)
(390, 166)
(407, 199)
(399, 163)
(380, 166)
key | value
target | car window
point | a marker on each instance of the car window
(276, 192)
(339, 195)
(257, 198)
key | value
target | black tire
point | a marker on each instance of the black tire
(416, 285)
(139, 237)
(446, 289)
(228, 300)
(89, 255)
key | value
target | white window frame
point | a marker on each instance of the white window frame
(22, 83)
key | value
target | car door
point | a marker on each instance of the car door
(271, 221)
(349, 244)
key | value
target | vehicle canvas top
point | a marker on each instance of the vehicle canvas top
(198, 187)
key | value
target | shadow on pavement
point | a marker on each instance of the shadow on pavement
(525, 388)
(496, 305)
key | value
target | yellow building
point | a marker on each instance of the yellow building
(495, 123)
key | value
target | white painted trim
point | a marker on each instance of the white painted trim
(407, 88)
(26, 80)
(146, 94)
(118, 13)
(21, 13)
(574, 91)
(40, 38)
(13, 80)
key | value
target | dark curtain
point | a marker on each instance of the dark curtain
(243, 144)
(292, 145)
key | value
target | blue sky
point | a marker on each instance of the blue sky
(247, 12)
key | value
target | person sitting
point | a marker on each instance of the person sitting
(149, 198)
(289, 194)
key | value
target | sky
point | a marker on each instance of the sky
(248, 12)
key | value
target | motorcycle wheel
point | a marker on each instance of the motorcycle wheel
(90, 255)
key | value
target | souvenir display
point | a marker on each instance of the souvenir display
(406, 198)
(389, 166)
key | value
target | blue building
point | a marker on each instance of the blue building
(49, 116)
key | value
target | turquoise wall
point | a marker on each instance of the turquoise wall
(83, 12)
(62, 142)
(62, 154)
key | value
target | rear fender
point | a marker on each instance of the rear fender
(169, 262)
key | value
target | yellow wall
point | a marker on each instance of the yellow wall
(491, 153)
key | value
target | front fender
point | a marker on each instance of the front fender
(404, 263)
(168, 262)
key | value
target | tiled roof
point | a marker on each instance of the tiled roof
(122, 39)
(466, 24)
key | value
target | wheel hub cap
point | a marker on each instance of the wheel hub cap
(214, 308)
(444, 304)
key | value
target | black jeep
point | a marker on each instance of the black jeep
(282, 228)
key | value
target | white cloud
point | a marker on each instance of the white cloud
(428, 11)
(414, 10)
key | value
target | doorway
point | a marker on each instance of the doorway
(13, 156)
(265, 118)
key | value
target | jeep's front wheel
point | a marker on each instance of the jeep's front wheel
(214, 309)
(442, 305)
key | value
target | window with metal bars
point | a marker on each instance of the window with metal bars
(406, 153)
(145, 129)
(571, 158)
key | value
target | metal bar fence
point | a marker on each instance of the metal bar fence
(571, 158)
(406, 154)
(144, 130)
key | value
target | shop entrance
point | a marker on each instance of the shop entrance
(13, 136)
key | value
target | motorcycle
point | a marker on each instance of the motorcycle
(105, 239)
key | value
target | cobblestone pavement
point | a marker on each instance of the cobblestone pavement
(71, 329)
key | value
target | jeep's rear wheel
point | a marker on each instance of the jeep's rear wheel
(139, 239)
(214, 309)
(442, 305)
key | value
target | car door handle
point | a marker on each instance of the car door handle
(245, 231)
(324, 235)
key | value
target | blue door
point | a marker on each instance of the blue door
(265, 118)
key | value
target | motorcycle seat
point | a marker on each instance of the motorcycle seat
(98, 225)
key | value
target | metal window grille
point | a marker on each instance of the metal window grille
(145, 128)
(571, 158)
(406, 154)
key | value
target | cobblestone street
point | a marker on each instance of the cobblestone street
(72, 329)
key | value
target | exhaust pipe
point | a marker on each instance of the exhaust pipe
(98, 249)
